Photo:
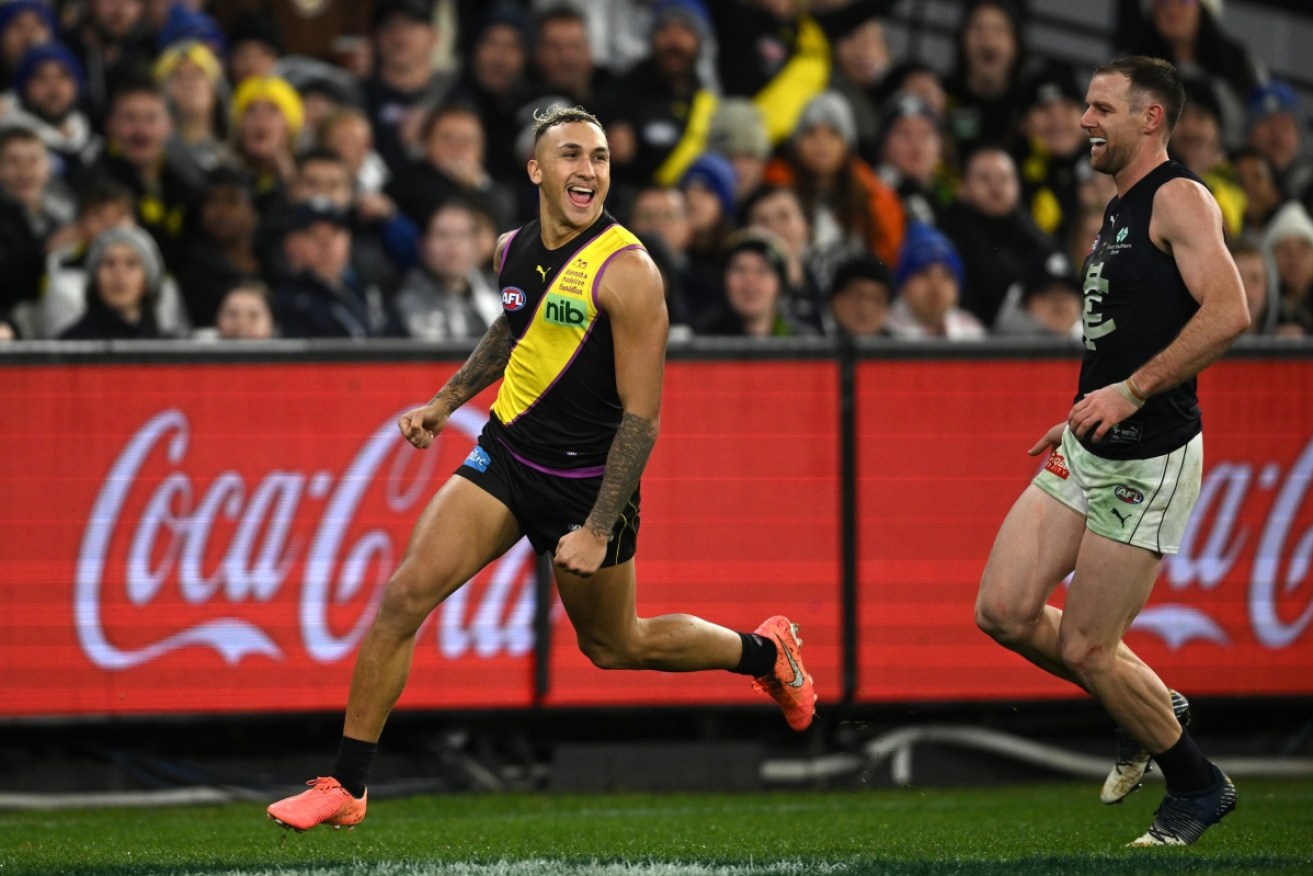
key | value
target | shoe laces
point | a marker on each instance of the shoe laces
(1176, 820)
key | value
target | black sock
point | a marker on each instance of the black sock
(758, 656)
(1184, 767)
(354, 758)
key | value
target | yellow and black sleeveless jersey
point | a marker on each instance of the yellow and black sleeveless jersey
(558, 408)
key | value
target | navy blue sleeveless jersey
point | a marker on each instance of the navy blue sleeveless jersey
(1136, 303)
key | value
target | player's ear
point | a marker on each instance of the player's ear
(1155, 116)
(535, 172)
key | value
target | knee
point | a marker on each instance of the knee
(1084, 657)
(405, 604)
(1001, 622)
(609, 653)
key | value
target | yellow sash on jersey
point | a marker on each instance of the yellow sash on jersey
(559, 327)
(783, 99)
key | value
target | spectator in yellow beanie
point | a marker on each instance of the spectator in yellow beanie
(267, 117)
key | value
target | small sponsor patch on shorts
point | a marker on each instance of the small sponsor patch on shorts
(479, 460)
(1057, 465)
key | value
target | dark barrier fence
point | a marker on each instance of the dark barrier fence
(196, 531)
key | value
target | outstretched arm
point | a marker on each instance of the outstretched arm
(1187, 223)
(633, 297)
(483, 368)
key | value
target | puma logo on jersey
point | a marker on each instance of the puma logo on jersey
(542, 272)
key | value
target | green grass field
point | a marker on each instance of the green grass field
(1041, 829)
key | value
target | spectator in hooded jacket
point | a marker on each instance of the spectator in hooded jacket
(1289, 244)
(45, 98)
(124, 275)
(929, 282)
(756, 273)
(860, 299)
(850, 209)
(102, 205)
(708, 189)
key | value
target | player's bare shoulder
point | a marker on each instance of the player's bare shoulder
(1184, 209)
(631, 283)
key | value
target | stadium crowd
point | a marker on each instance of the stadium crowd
(299, 168)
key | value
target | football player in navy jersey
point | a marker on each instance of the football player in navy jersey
(1162, 301)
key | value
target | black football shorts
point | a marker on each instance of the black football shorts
(546, 505)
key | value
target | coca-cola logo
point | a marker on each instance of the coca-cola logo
(1280, 605)
(341, 563)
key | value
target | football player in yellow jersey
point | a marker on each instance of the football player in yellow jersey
(511, 486)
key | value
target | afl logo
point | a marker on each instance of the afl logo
(512, 298)
(1129, 495)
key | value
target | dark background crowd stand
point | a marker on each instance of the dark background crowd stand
(316, 169)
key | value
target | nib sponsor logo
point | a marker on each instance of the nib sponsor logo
(563, 311)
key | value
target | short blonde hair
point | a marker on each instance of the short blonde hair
(560, 115)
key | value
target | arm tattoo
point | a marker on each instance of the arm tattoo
(484, 366)
(624, 465)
